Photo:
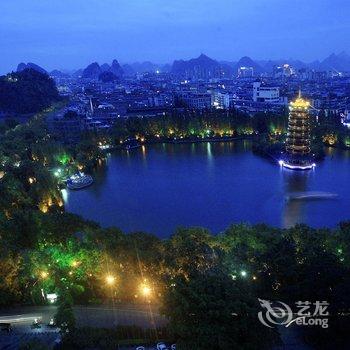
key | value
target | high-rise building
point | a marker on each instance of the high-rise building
(220, 100)
(298, 143)
(245, 72)
(283, 71)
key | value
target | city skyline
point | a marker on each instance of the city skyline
(66, 35)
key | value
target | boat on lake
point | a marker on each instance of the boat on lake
(79, 181)
(131, 143)
(311, 195)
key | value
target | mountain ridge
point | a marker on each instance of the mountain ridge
(202, 65)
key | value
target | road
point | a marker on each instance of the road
(146, 316)
(21, 319)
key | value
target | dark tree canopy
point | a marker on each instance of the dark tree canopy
(28, 91)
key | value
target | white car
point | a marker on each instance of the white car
(161, 346)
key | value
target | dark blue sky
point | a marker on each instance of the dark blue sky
(73, 33)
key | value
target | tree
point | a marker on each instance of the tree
(190, 250)
(28, 91)
(34, 344)
(211, 311)
(64, 316)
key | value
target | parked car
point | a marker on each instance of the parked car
(36, 323)
(52, 323)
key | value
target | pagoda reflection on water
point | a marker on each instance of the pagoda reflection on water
(298, 143)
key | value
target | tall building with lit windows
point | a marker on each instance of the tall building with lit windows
(298, 143)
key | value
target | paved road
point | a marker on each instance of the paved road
(96, 316)
(21, 319)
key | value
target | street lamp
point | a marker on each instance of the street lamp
(75, 263)
(44, 274)
(145, 290)
(58, 172)
(110, 280)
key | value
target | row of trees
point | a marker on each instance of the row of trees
(33, 163)
(192, 124)
(208, 285)
(269, 129)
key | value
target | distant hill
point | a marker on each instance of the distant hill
(27, 91)
(78, 73)
(246, 61)
(336, 62)
(58, 74)
(94, 70)
(340, 62)
(194, 64)
(105, 67)
(22, 66)
(200, 67)
(316, 65)
(128, 70)
(107, 77)
(116, 69)
(166, 68)
(143, 67)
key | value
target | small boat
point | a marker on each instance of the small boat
(311, 195)
(79, 181)
(131, 144)
(297, 165)
(129, 147)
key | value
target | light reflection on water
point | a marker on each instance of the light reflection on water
(159, 187)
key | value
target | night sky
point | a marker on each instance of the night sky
(73, 33)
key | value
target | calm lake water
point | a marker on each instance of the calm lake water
(157, 188)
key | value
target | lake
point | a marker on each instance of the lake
(159, 187)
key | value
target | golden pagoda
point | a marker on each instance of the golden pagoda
(298, 143)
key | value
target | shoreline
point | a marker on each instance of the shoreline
(181, 141)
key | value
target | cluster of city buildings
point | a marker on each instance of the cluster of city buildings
(96, 105)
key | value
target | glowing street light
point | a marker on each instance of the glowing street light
(75, 263)
(243, 273)
(58, 172)
(110, 280)
(146, 290)
(44, 274)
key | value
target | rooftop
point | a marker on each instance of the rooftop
(300, 102)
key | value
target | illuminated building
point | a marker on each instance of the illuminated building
(220, 100)
(196, 100)
(245, 72)
(283, 71)
(298, 143)
(267, 94)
